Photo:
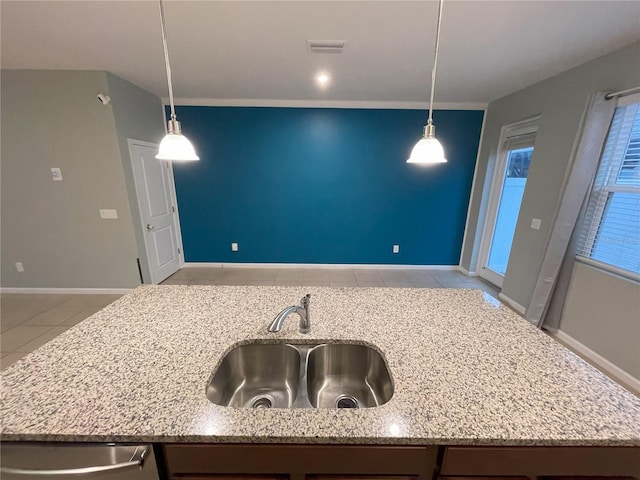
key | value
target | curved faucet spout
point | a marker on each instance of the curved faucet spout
(303, 312)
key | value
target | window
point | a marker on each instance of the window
(611, 232)
(519, 162)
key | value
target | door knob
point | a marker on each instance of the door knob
(150, 227)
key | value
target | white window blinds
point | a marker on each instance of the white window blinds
(611, 230)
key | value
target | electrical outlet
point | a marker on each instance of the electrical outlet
(536, 223)
(19, 267)
(234, 247)
(396, 249)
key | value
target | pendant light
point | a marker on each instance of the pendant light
(428, 150)
(174, 146)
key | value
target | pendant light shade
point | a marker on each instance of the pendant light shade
(428, 150)
(174, 146)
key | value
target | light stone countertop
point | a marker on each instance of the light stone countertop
(466, 371)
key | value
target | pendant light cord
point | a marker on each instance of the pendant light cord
(435, 64)
(166, 61)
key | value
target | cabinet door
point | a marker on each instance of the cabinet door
(229, 477)
(586, 477)
(360, 477)
(339, 462)
(541, 461)
(484, 478)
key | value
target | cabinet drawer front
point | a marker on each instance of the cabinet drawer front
(536, 461)
(359, 477)
(488, 478)
(229, 477)
(300, 459)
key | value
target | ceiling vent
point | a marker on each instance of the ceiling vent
(325, 46)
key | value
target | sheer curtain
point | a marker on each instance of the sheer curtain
(552, 284)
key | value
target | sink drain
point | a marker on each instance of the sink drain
(346, 401)
(262, 402)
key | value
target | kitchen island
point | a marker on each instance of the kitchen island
(466, 370)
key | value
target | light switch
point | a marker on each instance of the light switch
(396, 249)
(536, 223)
(234, 247)
(108, 213)
(19, 267)
(56, 174)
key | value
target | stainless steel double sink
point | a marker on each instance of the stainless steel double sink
(339, 375)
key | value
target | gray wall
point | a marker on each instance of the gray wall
(560, 101)
(53, 119)
(602, 311)
(138, 115)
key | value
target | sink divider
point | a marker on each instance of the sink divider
(302, 397)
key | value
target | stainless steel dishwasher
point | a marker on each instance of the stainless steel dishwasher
(26, 461)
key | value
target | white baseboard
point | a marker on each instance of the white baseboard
(513, 304)
(81, 291)
(613, 370)
(319, 265)
(467, 272)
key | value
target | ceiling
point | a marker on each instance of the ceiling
(248, 52)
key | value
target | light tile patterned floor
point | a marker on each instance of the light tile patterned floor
(348, 277)
(28, 321)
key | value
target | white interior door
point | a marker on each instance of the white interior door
(157, 212)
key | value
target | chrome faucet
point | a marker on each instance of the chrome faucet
(302, 310)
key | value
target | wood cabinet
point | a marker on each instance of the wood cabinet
(272, 477)
(228, 477)
(299, 462)
(364, 462)
(540, 462)
(285, 477)
(483, 478)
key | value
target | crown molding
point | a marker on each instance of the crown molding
(248, 102)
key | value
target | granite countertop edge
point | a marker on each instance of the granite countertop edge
(388, 441)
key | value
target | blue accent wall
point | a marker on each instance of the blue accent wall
(313, 185)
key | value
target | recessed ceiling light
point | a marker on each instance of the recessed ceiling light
(322, 79)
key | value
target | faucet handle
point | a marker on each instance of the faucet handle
(305, 316)
(306, 300)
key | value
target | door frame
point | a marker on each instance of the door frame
(140, 227)
(523, 127)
